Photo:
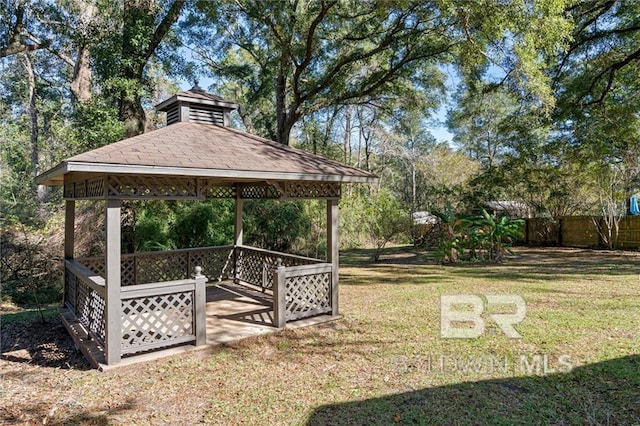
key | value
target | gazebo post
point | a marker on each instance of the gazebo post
(113, 304)
(69, 228)
(333, 246)
(238, 222)
(238, 230)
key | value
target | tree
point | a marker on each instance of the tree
(296, 58)
(482, 122)
(137, 30)
(385, 220)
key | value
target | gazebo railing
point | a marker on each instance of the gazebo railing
(158, 266)
(85, 297)
(162, 314)
(256, 266)
(301, 292)
(162, 304)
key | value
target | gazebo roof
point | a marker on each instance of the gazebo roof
(208, 151)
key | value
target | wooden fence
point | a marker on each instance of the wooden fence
(582, 231)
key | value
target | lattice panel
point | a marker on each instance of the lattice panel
(151, 187)
(216, 263)
(256, 266)
(128, 271)
(89, 309)
(70, 288)
(212, 190)
(250, 267)
(80, 189)
(156, 319)
(95, 264)
(260, 191)
(168, 266)
(313, 189)
(95, 187)
(307, 295)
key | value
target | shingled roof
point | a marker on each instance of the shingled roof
(192, 149)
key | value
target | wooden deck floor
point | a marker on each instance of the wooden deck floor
(235, 311)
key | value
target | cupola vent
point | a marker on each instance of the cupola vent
(197, 106)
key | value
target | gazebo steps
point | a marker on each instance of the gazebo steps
(92, 350)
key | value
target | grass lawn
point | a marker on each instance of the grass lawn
(578, 361)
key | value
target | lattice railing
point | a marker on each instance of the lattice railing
(158, 315)
(150, 267)
(130, 186)
(85, 296)
(307, 294)
(255, 266)
(301, 292)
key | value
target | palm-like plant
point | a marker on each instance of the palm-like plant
(499, 233)
(451, 246)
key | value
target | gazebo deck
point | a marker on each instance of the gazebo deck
(233, 312)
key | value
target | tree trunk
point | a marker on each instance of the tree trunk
(33, 115)
(347, 135)
(282, 135)
(132, 114)
(140, 39)
(82, 76)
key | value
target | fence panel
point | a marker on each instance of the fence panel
(582, 231)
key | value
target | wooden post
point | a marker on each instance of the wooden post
(200, 309)
(69, 242)
(238, 231)
(333, 246)
(279, 293)
(69, 228)
(113, 304)
(238, 222)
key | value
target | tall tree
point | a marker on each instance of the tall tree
(138, 29)
(298, 57)
(65, 30)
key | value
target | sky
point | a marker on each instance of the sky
(437, 127)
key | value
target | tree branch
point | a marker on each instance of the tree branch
(611, 70)
(169, 19)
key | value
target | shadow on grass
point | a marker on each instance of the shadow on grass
(24, 338)
(600, 393)
(528, 263)
(43, 413)
(395, 255)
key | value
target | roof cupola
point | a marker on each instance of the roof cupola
(197, 106)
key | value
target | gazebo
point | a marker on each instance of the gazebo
(127, 305)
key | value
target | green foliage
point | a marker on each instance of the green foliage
(385, 220)
(95, 124)
(496, 235)
(476, 238)
(28, 277)
(451, 245)
(204, 224)
(275, 225)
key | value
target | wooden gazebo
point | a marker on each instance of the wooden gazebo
(129, 304)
